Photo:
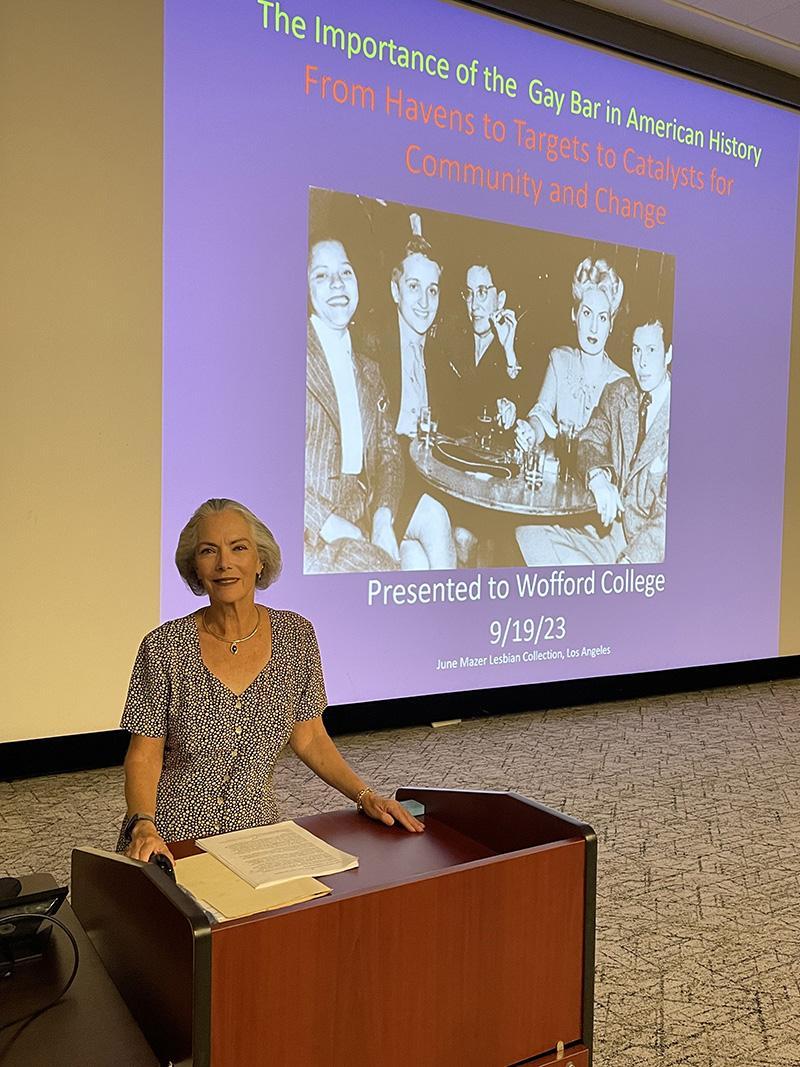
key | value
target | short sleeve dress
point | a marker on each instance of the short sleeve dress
(220, 749)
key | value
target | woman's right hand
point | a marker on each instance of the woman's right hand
(528, 435)
(145, 840)
(606, 497)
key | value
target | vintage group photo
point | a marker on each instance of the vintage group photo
(480, 394)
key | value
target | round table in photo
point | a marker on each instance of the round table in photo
(556, 499)
(493, 505)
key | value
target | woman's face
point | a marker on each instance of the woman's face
(593, 319)
(226, 557)
(332, 284)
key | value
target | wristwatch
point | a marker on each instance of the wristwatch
(129, 825)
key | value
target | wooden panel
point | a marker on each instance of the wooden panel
(471, 967)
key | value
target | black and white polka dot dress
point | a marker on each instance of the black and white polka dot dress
(220, 748)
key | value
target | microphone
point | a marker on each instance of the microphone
(163, 863)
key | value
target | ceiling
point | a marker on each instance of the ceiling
(764, 30)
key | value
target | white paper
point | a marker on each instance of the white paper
(267, 855)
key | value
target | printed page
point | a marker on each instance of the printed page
(267, 855)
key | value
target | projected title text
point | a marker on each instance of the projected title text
(550, 102)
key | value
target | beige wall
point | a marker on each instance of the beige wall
(80, 343)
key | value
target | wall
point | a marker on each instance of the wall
(80, 285)
(80, 280)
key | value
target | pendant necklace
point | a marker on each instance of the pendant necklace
(233, 646)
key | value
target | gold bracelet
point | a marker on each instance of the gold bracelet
(360, 798)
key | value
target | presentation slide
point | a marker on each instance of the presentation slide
(493, 330)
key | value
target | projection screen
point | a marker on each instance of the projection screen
(412, 186)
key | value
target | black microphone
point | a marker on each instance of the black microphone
(164, 863)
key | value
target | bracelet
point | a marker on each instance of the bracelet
(360, 798)
(138, 817)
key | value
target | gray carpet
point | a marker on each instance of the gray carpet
(695, 801)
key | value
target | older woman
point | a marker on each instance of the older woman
(576, 377)
(216, 695)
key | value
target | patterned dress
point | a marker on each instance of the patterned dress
(220, 749)
(569, 395)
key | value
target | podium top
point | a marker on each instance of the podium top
(462, 828)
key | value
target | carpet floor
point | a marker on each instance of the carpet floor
(695, 799)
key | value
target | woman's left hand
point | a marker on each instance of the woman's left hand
(389, 811)
(506, 413)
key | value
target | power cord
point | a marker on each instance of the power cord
(31, 1015)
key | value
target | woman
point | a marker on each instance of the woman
(576, 377)
(215, 696)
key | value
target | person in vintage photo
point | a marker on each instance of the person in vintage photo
(409, 372)
(622, 456)
(416, 382)
(487, 369)
(354, 469)
(576, 376)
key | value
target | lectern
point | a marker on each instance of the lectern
(471, 945)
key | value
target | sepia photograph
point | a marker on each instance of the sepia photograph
(480, 394)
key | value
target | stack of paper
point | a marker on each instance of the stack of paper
(229, 897)
(267, 855)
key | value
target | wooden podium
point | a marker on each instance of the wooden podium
(471, 945)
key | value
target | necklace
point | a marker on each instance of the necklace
(233, 645)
